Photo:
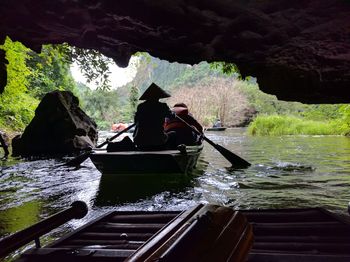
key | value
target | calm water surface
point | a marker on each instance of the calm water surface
(288, 171)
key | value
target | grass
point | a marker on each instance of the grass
(277, 125)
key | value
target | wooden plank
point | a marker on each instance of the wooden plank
(105, 242)
(196, 240)
(229, 238)
(67, 254)
(278, 257)
(286, 215)
(337, 248)
(304, 238)
(243, 247)
(294, 229)
(142, 218)
(158, 239)
(125, 228)
(115, 236)
(80, 229)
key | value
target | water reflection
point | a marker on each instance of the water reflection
(119, 189)
(290, 171)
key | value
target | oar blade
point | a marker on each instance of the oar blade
(79, 159)
(235, 160)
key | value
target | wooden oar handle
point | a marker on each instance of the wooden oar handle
(187, 124)
(234, 159)
(9, 244)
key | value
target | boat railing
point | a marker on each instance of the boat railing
(78, 209)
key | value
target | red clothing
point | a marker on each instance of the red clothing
(184, 134)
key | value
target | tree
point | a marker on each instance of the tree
(102, 105)
(50, 71)
(133, 99)
(212, 98)
(16, 103)
(93, 65)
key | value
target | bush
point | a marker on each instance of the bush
(276, 125)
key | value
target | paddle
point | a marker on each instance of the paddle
(235, 160)
(82, 157)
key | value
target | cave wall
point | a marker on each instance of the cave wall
(298, 50)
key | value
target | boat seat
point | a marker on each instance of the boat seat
(206, 233)
(298, 235)
(202, 233)
(279, 257)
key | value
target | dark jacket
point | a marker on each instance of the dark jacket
(149, 119)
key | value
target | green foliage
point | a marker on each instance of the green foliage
(269, 104)
(171, 75)
(226, 68)
(133, 99)
(277, 125)
(16, 104)
(322, 112)
(102, 105)
(50, 71)
(343, 121)
(30, 77)
(93, 65)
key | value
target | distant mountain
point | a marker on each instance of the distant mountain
(168, 75)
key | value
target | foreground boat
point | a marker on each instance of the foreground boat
(215, 129)
(141, 162)
(201, 233)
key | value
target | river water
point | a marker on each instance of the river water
(286, 172)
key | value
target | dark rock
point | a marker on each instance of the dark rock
(4, 143)
(244, 117)
(3, 70)
(58, 127)
(298, 50)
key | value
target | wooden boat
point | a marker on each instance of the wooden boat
(215, 129)
(201, 233)
(141, 162)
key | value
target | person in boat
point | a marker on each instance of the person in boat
(183, 133)
(217, 123)
(149, 119)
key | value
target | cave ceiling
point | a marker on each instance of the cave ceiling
(299, 50)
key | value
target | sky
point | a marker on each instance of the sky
(118, 77)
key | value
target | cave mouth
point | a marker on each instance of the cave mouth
(298, 51)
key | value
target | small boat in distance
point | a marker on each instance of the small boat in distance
(181, 160)
(215, 129)
(217, 126)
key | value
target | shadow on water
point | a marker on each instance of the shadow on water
(119, 189)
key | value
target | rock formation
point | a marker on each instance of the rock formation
(4, 143)
(58, 127)
(244, 117)
(298, 50)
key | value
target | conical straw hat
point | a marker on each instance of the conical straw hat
(154, 92)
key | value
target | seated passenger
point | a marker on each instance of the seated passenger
(183, 133)
(149, 119)
(217, 123)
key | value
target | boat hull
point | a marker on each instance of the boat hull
(215, 129)
(310, 234)
(141, 162)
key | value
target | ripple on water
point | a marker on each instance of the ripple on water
(286, 172)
